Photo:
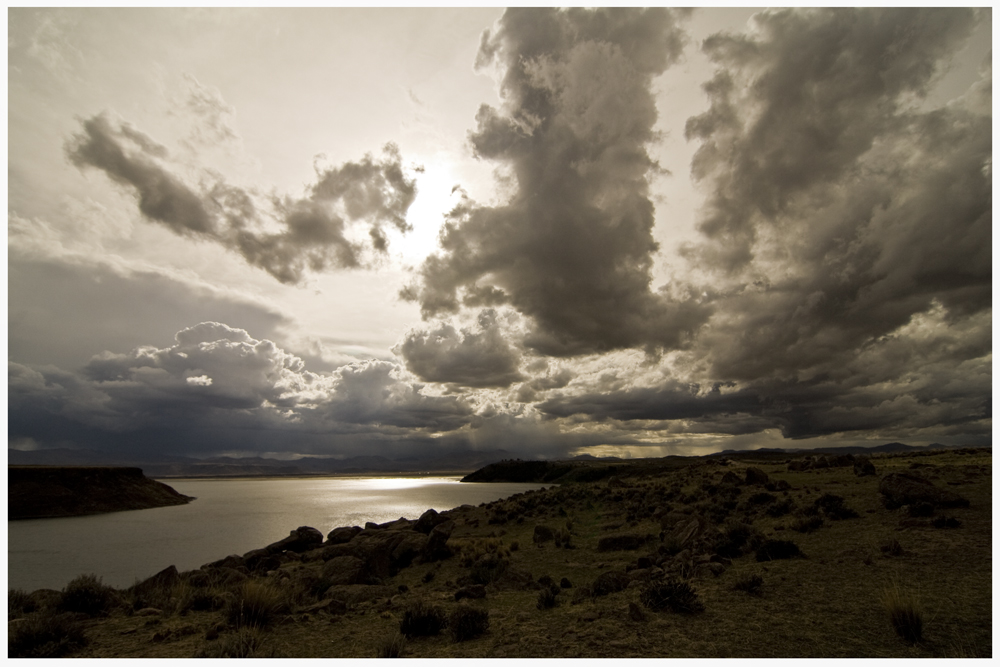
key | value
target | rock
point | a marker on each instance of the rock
(437, 542)
(260, 560)
(342, 535)
(782, 485)
(164, 579)
(863, 467)
(473, 592)
(226, 576)
(233, 562)
(301, 539)
(565, 583)
(610, 582)
(731, 478)
(197, 578)
(906, 488)
(344, 571)
(542, 534)
(407, 549)
(428, 521)
(798, 466)
(370, 525)
(756, 476)
(687, 532)
(842, 461)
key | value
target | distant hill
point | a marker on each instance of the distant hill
(38, 492)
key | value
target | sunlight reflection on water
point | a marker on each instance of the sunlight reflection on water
(230, 516)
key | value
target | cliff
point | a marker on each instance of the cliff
(36, 492)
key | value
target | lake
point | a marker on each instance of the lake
(230, 516)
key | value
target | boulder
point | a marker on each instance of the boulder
(731, 478)
(345, 570)
(863, 467)
(437, 542)
(409, 547)
(622, 542)
(756, 476)
(342, 535)
(162, 580)
(301, 539)
(428, 521)
(610, 582)
(401, 523)
(233, 561)
(542, 534)
(907, 488)
(686, 532)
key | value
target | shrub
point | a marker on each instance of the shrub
(891, 547)
(422, 620)
(749, 582)
(675, 595)
(547, 598)
(19, 603)
(44, 636)
(391, 646)
(88, 595)
(762, 498)
(246, 642)
(946, 522)
(807, 524)
(833, 507)
(255, 605)
(488, 569)
(777, 550)
(780, 509)
(515, 545)
(905, 612)
(468, 622)
(735, 538)
(609, 582)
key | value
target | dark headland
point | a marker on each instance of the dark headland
(757, 554)
(40, 492)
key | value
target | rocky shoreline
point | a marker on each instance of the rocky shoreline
(646, 563)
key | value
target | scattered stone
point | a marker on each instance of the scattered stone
(906, 488)
(756, 476)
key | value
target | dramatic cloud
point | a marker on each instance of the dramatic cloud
(215, 387)
(573, 247)
(286, 239)
(471, 358)
(843, 220)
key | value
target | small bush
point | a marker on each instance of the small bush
(807, 524)
(428, 576)
(677, 596)
(833, 507)
(946, 522)
(18, 603)
(905, 613)
(547, 598)
(749, 582)
(780, 509)
(488, 569)
(609, 582)
(891, 547)
(44, 636)
(468, 622)
(391, 646)
(422, 620)
(247, 642)
(515, 545)
(777, 550)
(736, 538)
(88, 595)
(256, 605)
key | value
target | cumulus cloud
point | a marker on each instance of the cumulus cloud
(219, 389)
(474, 357)
(846, 239)
(286, 237)
(573, 247)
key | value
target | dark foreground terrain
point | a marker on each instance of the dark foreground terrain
(777, 556)
(39, 492)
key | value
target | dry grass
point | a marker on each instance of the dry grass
(906, 613)
(392, 646)
(256, 605)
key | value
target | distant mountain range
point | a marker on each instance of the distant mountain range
(226, 466)
(459, 462)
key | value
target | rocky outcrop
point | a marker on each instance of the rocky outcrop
(38, 492)
(906, 488)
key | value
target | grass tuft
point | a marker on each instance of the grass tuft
(247, 642)
(44, 636)
(422, 620)
(391, 646)
(677, 596)
(905, 612)
(256, 605)
(467, 622)
(88, 595)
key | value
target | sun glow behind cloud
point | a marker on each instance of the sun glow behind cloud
(436, 195)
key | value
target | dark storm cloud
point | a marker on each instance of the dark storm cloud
(849, 210)
(219, 389)
(295, 236)
(480, 357)
(573, 247)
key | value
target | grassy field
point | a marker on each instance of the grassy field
(861, 566)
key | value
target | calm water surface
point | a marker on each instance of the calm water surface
(230, 516)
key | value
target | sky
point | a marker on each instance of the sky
(412, 232)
